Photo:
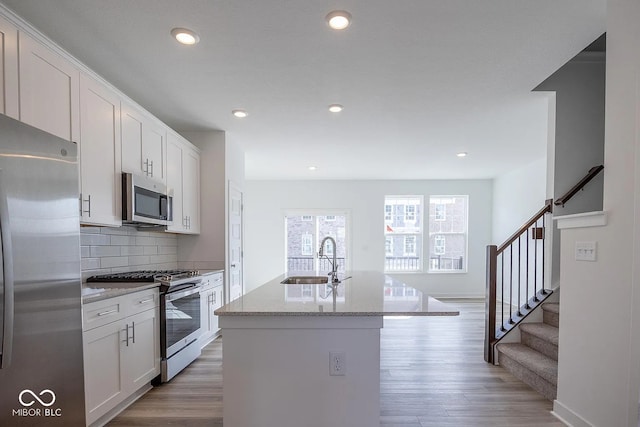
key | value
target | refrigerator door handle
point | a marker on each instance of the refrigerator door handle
(6, 262)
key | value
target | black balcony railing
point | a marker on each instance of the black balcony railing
(308, 264)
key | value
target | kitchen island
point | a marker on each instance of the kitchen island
(308, 354)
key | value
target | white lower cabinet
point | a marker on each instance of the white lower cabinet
(121, 349)
(211, 298)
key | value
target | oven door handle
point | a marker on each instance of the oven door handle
(172, 296)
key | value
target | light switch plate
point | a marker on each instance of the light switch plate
(586, 251)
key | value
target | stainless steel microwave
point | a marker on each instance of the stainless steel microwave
(145, 201)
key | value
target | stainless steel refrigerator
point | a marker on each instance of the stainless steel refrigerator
(41, 365)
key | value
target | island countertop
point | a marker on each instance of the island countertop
(361, 293)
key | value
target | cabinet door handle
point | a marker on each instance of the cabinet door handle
(126, 340)
(145, 169)
(214, 297)
(104, 313)
(133, 332)
(88, 211)
(144, 301)
(151, 168)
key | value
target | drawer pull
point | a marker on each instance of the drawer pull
(104, 313)
(144, 301)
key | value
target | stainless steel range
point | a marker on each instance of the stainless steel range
(180, 314)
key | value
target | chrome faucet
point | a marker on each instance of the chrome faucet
(334, 264)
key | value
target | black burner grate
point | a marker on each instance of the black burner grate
(137, 276)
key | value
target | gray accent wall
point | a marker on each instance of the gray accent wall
(579, 135)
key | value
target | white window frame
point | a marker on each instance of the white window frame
(321, 213)
(414, 228)
(431, 268)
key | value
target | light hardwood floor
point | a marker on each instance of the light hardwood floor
(432, 375)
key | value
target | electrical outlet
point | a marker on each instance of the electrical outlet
(337, 363)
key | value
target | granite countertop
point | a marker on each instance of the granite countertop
(366, 293)
(92, 292)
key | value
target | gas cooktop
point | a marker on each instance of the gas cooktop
(149, 276)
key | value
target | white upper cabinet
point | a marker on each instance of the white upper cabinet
(191, 189)
(183, 183)
(8, 69)
(174, 181)
(100, 178)
(49, 87)
(143, 144)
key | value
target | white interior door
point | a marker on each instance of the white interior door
(235, 268)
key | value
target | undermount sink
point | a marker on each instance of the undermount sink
(306, 280)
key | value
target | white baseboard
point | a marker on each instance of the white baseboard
(567, 416)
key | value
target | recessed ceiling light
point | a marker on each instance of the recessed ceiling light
(335, 108)
(312, 168)
(338, 19)
(241, 114)
(185, 36)
(462, 154)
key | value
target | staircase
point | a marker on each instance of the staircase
(534, 360)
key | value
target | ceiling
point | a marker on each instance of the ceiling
(420, 80)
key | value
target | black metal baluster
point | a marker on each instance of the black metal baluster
(527, 271)
(511, 284)
(519, 276)
(502, 294)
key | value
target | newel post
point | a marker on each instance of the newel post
(490, 303)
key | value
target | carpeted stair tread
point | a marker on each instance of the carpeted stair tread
(543, 331)
(551, 314)
(536, 362)
(552, 307)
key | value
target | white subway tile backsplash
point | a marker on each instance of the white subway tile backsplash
(113, 250)
(150, 250)
(88, 239)
(131, 250)
(114, 261)
(145, 241)
(139, 260)
(90, 263)
(122, 240)
(104, 251)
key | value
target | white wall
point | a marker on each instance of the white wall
(266, 201)
(599, 358)
(517, 196)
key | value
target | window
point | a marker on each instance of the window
(307, 244)
(304, 232)
(388, 213)
(410, 213)
(410, 245)
(438, 245)
(403, 233)
(388, 246)
(448, 233)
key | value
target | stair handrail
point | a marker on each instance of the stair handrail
(548, 207)
(493, 251)
(560, 201)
